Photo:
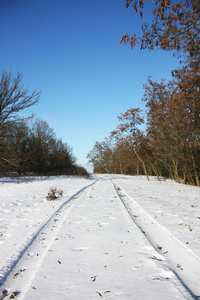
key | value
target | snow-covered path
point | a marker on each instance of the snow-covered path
(92, 248)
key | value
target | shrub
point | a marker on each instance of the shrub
(54, 194)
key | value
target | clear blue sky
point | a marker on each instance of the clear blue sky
(71, 50)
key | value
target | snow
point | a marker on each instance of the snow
(110, 236)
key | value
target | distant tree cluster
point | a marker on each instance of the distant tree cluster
(170, 144)
(29, 148)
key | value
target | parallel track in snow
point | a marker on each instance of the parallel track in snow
(45, 233)
(24, 267)
(183, 269)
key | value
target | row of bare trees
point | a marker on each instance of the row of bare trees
(169, 146)
(29, 147)
(34, 148)
(170, 143)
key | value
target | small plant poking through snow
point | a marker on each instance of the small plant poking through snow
(54, 194)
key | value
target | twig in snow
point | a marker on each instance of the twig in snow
(99, 294)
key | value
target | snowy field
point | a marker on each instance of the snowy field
(110, 236)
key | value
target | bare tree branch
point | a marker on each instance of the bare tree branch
(14, 98)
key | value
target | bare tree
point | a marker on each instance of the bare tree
(101, 156)
(14, 98)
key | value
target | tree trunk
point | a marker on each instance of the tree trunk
(154, 169)
(143, 164)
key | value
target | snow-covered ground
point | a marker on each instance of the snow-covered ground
(111, 236)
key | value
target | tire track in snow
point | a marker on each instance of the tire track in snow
(46, 233)
(103, 255)
(182, 260)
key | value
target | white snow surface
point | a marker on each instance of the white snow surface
(110, 236)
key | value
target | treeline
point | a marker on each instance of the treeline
(170, 144)
(34, 148)
(29, 147)
(165, 139)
